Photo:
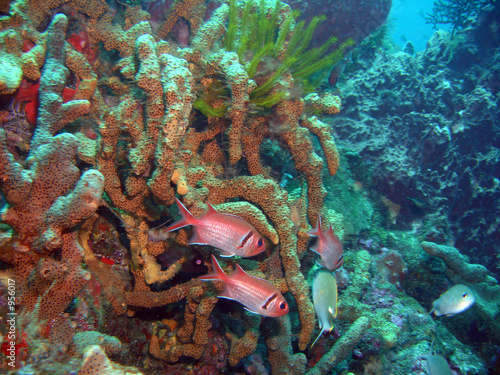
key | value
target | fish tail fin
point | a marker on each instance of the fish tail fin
(186, 218)
(317, 338)
(217, 272)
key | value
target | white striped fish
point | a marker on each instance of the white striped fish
(257, 295)
(229, 234)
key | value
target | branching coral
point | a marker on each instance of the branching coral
(129, 140)
(455, 12)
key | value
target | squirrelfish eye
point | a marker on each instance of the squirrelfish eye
(260, 242)
(464, 295)
(282, 306)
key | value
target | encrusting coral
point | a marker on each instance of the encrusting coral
(125, 142)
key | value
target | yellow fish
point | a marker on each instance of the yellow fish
(436, 364)
(455, 300)
(325, 301)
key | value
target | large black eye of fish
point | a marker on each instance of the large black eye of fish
(464, 295)
(260, 242)
(282, 306)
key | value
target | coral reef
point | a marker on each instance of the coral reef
(116, 137)
(428, 133)
(455, 12)
(121, 116)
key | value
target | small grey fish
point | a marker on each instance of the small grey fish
(436, 364)
(325, 301)
(455, 300)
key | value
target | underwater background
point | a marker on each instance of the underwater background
(359, 139)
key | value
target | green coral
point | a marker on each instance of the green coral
(269, 42)
(201, 105)
(208, 96)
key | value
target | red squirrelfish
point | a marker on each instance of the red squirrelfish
(228, 233)
(328, 246)
(257, 295)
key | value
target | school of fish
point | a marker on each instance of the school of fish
(233, 236)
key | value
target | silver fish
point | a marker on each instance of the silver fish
(436, 364)
(325, 301)
(455, 300)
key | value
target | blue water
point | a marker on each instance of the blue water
(407, 22)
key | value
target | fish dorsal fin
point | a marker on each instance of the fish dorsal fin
(320, 333)
(316, 231)
(186, 218)
(330, 230)
(432, 345)
(210, 209)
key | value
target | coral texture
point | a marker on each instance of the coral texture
(114, 137)
(119, 114)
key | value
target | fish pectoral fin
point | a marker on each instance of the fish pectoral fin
(321, 264)
(314, 249)
(332, 311)
(253, 312)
